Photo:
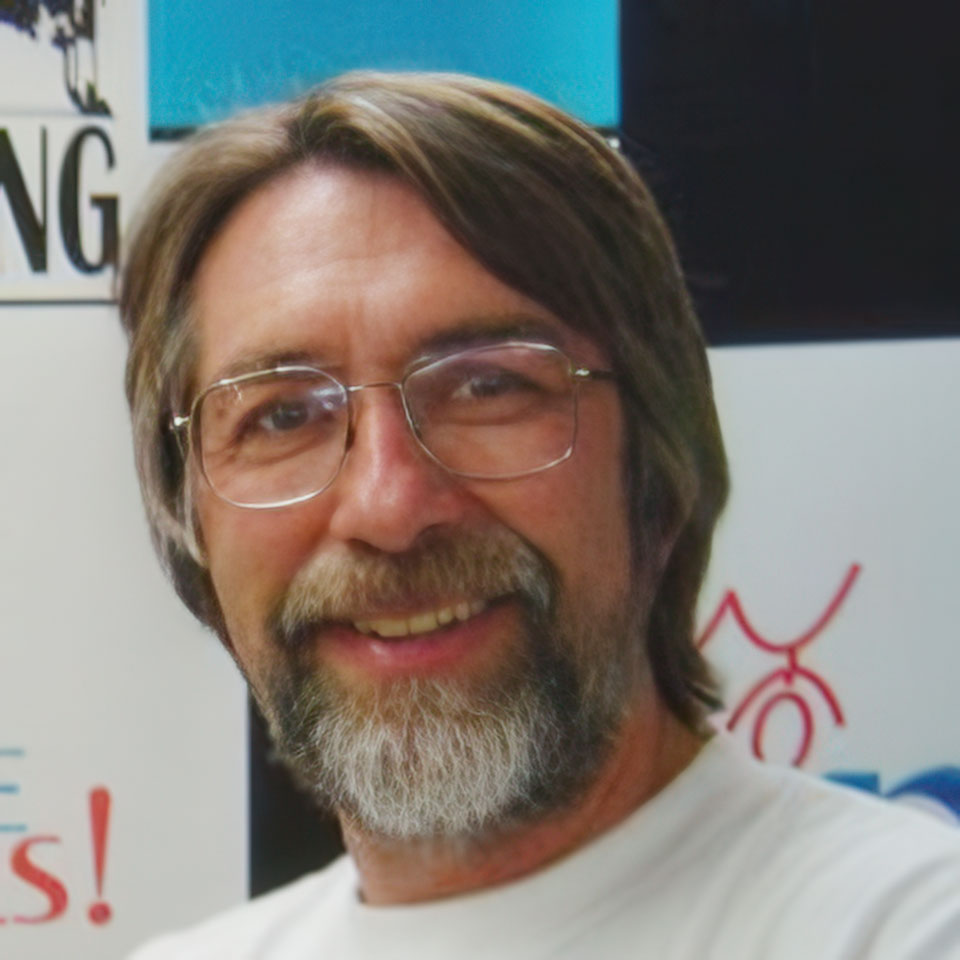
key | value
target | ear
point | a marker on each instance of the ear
(658, 519)
(191, 534)
(664, 548)
(193, 541)
(190, 531)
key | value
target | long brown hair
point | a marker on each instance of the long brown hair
(545, 204)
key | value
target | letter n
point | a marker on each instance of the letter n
(32, 229)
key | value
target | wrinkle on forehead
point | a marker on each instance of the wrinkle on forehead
(280, 238)
(467, 333)
(322, 260)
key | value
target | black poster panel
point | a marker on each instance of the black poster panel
(806, 153)
(289, 836)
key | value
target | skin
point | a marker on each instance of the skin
(353, 272)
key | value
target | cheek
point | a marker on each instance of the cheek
(596, 538)
(252, 556)
(576, 515)
(594, 513)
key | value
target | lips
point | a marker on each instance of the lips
(436, 639)
(423, 621)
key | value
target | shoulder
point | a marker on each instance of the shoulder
(814, 861)
(739, 859)
(817, 810)
(245, 930)
(785, 816)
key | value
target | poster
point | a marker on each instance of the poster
(829, 604)
(828, 607)
(122, 747)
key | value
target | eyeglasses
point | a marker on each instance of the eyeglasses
(280, 436)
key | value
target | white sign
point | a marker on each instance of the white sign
(830, 607)
(71, 123)
(123, 807)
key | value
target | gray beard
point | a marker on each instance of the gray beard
(450, 757)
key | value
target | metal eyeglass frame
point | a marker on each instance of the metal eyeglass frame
(577, 373)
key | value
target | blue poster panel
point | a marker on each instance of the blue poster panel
(207, 60)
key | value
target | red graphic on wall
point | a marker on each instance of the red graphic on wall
(99, 911)
(791, 683)
(53, 888)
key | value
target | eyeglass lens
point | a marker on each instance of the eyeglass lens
(273, 439)
(493, 412)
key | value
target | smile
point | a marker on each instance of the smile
(425, 621)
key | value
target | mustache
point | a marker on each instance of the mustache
(443, 566)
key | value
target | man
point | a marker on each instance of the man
(425, 431)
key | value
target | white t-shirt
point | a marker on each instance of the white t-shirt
(733, 860)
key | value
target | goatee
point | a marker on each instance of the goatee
(451, 756)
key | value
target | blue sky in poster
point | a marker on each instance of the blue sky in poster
(207, 59)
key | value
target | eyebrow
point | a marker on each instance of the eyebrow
(267, 361)
(472, 332)
(482, 331)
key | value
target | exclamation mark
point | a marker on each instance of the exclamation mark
(100, 911)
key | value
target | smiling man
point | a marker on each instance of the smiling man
(425, 431)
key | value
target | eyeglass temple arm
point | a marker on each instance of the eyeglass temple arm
(179, 426)
(582, 373)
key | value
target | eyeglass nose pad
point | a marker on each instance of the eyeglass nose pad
(352, 408)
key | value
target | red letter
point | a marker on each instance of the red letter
(46, 883)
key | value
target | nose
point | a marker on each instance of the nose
(389, 492)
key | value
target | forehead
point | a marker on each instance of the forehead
(350, 270)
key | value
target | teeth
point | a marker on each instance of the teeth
(425, 622)
(391, 628)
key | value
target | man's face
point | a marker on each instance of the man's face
(350, 272)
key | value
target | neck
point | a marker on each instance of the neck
(650, 750)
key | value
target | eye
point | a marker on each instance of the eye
(489, 382)
(490, 387)
(284, 415)
(314, 409)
